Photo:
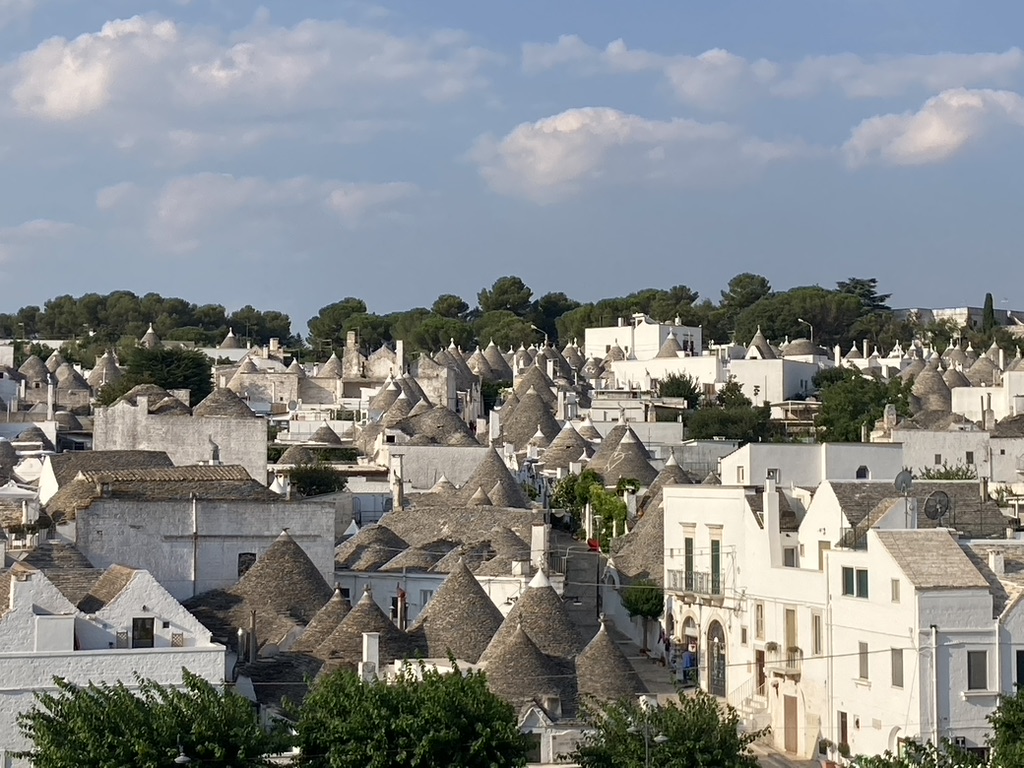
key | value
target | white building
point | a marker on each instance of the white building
(809, 464)
(639, 339)
(125, 625)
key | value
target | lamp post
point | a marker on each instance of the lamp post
(597, 567)
(182, 758)
(646, 731)
(801, 320)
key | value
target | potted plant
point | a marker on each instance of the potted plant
(844, 749)
(771, 646)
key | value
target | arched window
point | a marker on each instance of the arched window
(716, 660)
(863, 473)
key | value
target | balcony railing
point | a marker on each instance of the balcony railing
(853, 538)
(696, 582)
(788, 662)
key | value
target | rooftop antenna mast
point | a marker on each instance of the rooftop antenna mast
(903, 483)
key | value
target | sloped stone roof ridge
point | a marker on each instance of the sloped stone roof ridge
(592, 369)
(296, 455)
(247, 366)
(542, 613)
(35, 435)
(983, 373)
(489, 472)
(376, 537)
(916, 366)
(460, 619)
(803, 348)
(70, 379)
(519, 672)
(615, 354)
(572, 356)
(932, 559)
(230, 341)
(324, 435)
(640, 554)
(415, 388)
(399, 410)
(1009, 427)
(332, 369)
(108, 586)
(151, 392)
(411, 393)
(420, 408)
(53, 555)
(480, 498)
(34, 370)
(67, 465)
(54, 361)
(296, 368)
(930, 388)
(955, 354)
(345, 643)
(501, 497)
(443, 485)
(105, 371)
(523, 357)
(421, 559)
(604, 672)
(532, 414)
(478, 364)
(629, 462)
(440, 424)
(8, 458)
(566, 448)
(324, 622)
(761, 345)
(854, 353)
(607, 446)
(670, 347)
(223, 403)
(286, 581)
(670, 474)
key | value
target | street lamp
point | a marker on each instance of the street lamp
(182, 758)
(646, 731)
(801, 320)
(597, 567)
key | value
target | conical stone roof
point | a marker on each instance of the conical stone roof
(420, 408)
(149, 339)
(223, 403)
(438, 424)
(324, 435)
(759, 347)
(571, 354)
(498, 364)
(295, 367)
(532, 414)
(34, 370)
(373, 546)
(296, 455)
(104, 372)
(955, 354)
(954, 378)
(345, 643)
(534, 378)
(615, 354)
(478, 364)
(628, 462)
(911, 371)
(69, 379)
(670, 348)
(385, 397)
(983, 373)
(324, 623)
(588, 431)
(501, 497)
(670, 474)
(930, 388)
(332, 369)
(35, 435)
(519, 672)
(284, 580)
(566, 448)
(230, 341)
(543, 614)
(443, 486)
(247, 366)
(490, 472)
(54, 361)
(592, 369)
(460, 619)
(604, 672)
(399, 410)
(480, 499)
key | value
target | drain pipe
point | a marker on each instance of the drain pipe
(935, 685)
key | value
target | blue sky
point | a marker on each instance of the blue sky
(289, 154)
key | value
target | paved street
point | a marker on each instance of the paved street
(770, 758)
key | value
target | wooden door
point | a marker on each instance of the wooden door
(759, 666)
(789, 723)
(790, 629)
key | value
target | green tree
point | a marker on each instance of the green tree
(988, 314)
(327, 329)
(1007, 740)
(947, 472)
(831, 313)
(436, 332)
(167, 367)
(745, 290)
(611, 510)
(681, 385)
(573, 492)
(697, 731)
(450, 306)
(645, 599)
(509, 294)
(549, 308)
(914, 755)
(104, 725)
(851, 401)
(505, 328)
(316, 480)
(441, 719)
(747, 425)
(865, 289)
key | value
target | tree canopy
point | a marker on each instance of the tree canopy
(439, 719)
(645, 599)
(101, 725)
(316, 479)
(851, 401)
(696, 731)
(732, 416)
(167, 367)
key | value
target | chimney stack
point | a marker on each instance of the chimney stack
(369, 667)
(400, 356)
(252, 636)
(539, 545)
(995, 562)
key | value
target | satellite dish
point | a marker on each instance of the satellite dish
(936, 505)
(292, 405)
(903, 482)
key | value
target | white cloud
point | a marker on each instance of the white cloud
(718, 78)
(943, 126)
(18, 240)
(557, 156)
(114, 196)
(188, 208)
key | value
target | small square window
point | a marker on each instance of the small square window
(1002, 451)
(743, 635)
(166, 625)
(970, 457)
(895, 590)
(938, 459)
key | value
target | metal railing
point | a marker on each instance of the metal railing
(855, 538)
(696, 582)
(789, 661)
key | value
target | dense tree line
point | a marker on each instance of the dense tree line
(509, 313)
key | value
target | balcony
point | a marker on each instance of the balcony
(696, 583)
(855, 538)
(784, 663)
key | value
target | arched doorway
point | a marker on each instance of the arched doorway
(863, 473)
(716, 660)
(690, 655)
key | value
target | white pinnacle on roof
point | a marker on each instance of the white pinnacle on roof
(540, 580)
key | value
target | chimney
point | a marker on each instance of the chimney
(252, 636)
(550, 368)
(983, 489)
(351, 340)
(995, 562)
(49, 400)
(771, 522)
(539, 545)
(838, 355)
(275, 345)
(369, 666)
(982, 401)
(400, 356)
(865, 347)
(520, 568)
(397, 496)
(864, 433)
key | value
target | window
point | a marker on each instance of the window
(759, 621)
(970, 457)
(425, 595)
(855, 582)
(716, 567)
(774, 474)
(739, 475)
(844, 729)
(938, 459)
(862, 658)
(166, 625)
(897, 667)
(688, 562)
(977, 670)
(816, 645)
(533, 748)
(823, 547)
(791, 634)
(346, 593)
(789, 557)
(1002, 451)
(743, 635)
(895, 590)
(246, 560)
(863, 473)
(142, 633)
(1020, 669)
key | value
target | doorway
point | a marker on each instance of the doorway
(142, 633)
(789, 725)
(716, 660)
(759, 670)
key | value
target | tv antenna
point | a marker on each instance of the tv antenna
(903, 482)
(936, 506)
